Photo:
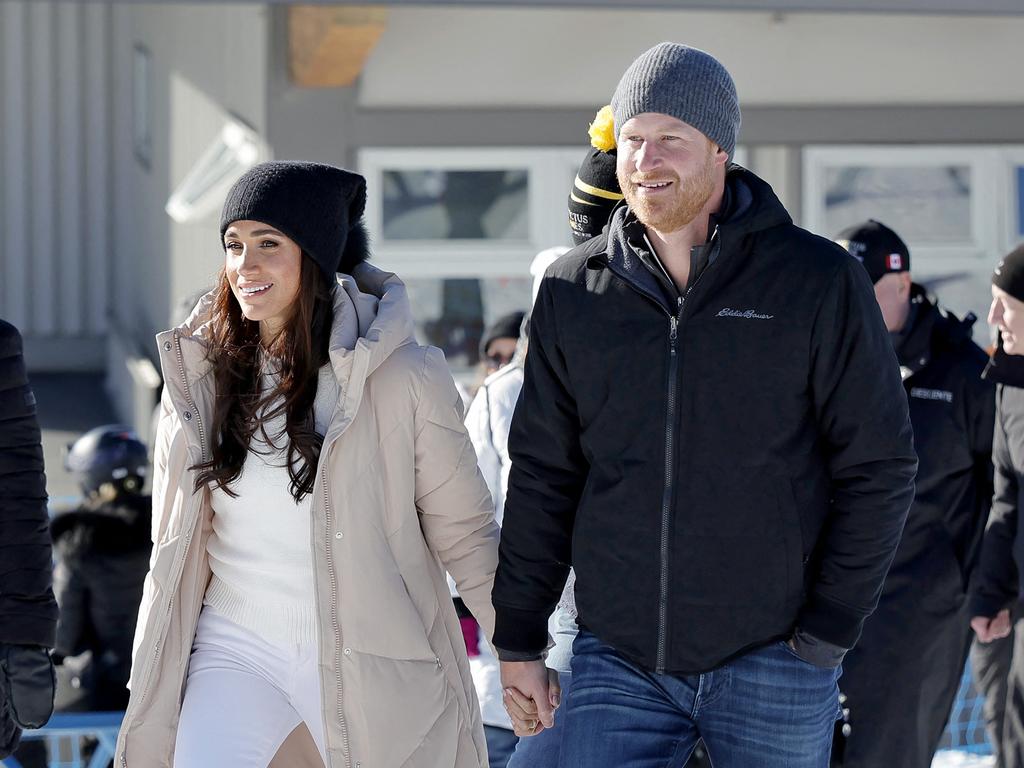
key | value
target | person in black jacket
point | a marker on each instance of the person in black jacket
(901, 679)
(996, 588)
(103, 549)
(28, 611)
(713, 432)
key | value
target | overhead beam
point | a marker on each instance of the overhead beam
(957, 7)
(328, 45)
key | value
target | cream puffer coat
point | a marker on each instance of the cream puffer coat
(398, 501)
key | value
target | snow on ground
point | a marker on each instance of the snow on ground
(951, 759)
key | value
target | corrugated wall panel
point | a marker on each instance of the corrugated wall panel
(98, 171)
(14, 179)
(55, 176)
(42, 179)
(71, 244)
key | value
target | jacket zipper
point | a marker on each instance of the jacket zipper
(670, 454)
(335, 624)
(666, 499)
(188, 536)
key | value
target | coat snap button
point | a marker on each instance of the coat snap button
(187, 415)
(348, 651)
(339, 535)
(167, 346)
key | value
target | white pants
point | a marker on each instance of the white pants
(243, 696)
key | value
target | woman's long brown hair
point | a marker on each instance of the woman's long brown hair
(241, 408)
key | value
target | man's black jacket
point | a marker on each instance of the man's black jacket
(719, 469)
(28, 611)
(997, 583)
(952, 410)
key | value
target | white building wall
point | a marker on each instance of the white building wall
(206, 65)
(55, 179)
(538, 57)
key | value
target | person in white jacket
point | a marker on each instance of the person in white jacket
(488, 421)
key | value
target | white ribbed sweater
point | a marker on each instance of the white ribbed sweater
(261, 546)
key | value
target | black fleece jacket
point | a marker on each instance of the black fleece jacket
(28, 611)
(721, 469)
(952, 410)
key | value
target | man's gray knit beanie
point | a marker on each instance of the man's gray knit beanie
(687, 84)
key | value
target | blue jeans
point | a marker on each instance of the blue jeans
(766, 709)
(542, 750)
(500, 743)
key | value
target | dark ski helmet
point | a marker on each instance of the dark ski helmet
(109, 454)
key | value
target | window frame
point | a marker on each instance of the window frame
(982, 161)
(142, 105)
(547, 168)
(1012, 228)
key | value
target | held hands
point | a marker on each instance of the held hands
(989, 629)
(531, 695)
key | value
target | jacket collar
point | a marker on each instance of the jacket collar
(932, 330)
(1005, 369)
(749, 205)
(372, 318)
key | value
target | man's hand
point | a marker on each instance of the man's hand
(989, 629)
(531, 695)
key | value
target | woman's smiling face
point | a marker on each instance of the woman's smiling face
(264, 268)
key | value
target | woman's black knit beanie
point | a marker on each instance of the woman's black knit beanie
(318, 206)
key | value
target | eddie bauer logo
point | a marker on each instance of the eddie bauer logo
(748, 314)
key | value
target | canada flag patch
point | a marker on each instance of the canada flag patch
(895, 262)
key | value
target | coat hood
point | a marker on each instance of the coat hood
(933, 331)
(372, 315)
(749, 206)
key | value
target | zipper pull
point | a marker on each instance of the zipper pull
(673, 328)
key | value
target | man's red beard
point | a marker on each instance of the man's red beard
(669, 212)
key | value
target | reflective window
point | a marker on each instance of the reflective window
(485, 204)
(1020, 202)
(944, 201)
(453, 312)
(924, 204)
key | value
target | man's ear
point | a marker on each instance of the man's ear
(905, 283)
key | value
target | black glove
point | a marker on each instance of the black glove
(27, 686)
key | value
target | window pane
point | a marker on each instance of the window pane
(961, 285)
(1020, 201)
(452, 313)
(925, 205)
(456, 205)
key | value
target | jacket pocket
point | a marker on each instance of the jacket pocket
(408, 710)
(154, 593)
(791, 524)
(738, 539)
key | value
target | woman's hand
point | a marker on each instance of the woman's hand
(531, 695)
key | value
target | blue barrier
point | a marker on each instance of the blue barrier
(965, 731)
(64, 734)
